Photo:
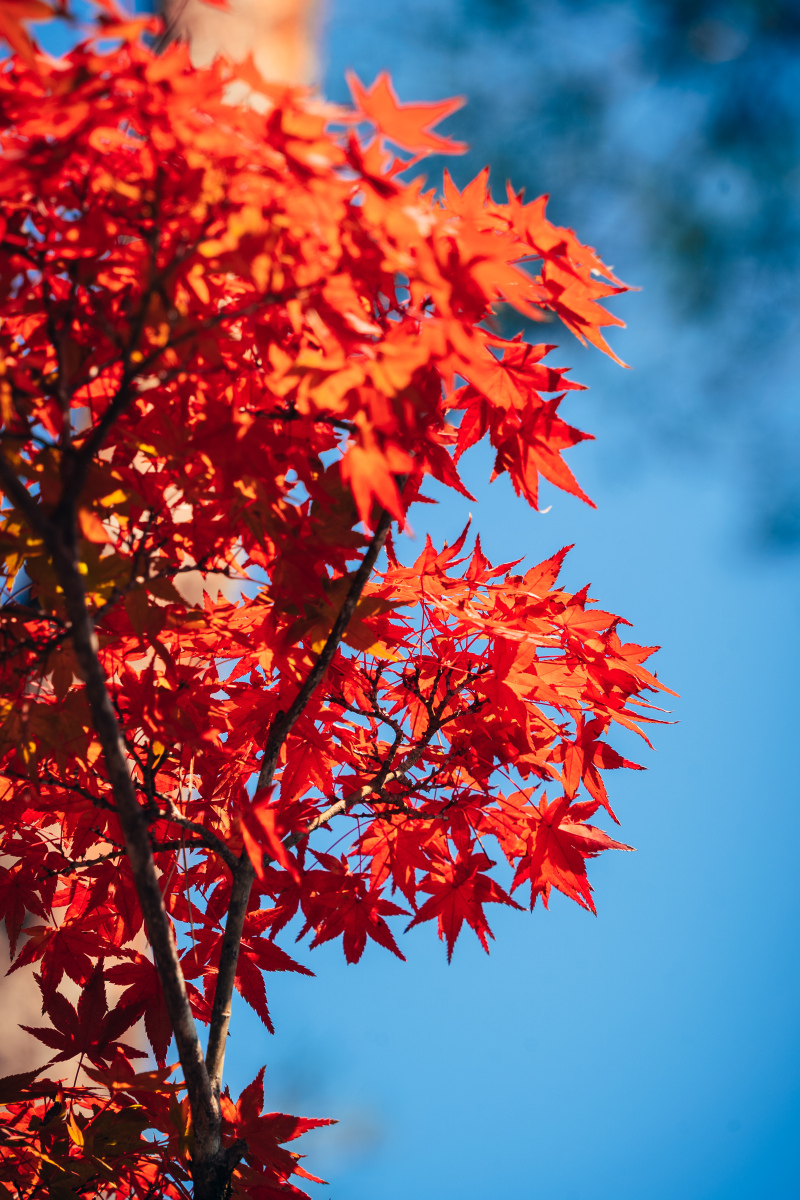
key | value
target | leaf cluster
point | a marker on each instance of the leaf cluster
(234, 342)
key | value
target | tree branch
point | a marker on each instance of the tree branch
(205, 1109)
(54, 781)
(282, 727)
(205, 837)
(243, 876)
(383, 777)
(61, 539)
(80, 864)
(245, 872)
(21, 498)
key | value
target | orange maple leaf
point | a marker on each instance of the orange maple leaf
(12, 14)
(407, 125)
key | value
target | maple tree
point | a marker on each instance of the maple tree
(234, 340)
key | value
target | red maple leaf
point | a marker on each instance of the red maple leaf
(19, 895)
(264, 1133)
(558, 846)
(407, 125)
(584, 759)
(256, 955)
(459, 891)
(92, 1030)
(144, 994)
(66, 950)
(340, 903)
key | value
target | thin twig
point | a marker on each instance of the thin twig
(437, 721)
(245, 872)
(282, 727)
(204, 836)
(80, 864)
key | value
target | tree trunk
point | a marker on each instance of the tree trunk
(281, 35)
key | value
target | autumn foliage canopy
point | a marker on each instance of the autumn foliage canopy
(234, 343)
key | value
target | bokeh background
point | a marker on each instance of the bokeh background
(652, 1052)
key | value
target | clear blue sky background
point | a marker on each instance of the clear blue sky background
(652, 1052)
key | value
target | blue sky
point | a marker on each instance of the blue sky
(651, 1052)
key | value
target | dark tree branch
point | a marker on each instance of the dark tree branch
(204, 836)
(245, 872)
(61, 539)
(85, 863)
(205, 1110)
(282, 727)
(54, 781)
(21, 498)
(243, 876)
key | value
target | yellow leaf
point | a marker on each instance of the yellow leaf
(117, 497)
(198, 284)
(74, 1130)
(6, 403)
(261, 270)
